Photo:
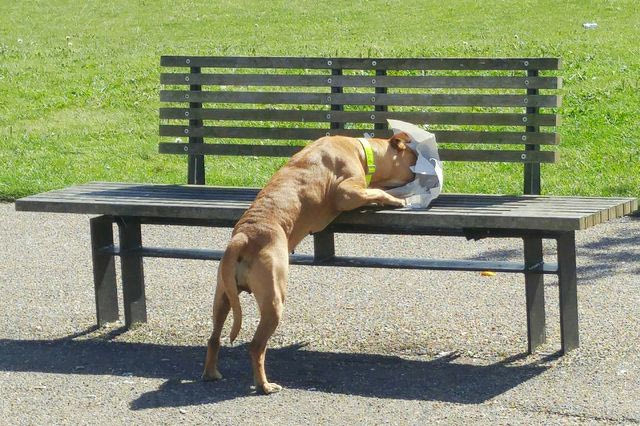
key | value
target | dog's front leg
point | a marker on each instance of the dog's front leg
(351, 194)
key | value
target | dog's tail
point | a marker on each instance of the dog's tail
(228, 276)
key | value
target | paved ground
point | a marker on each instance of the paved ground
(355, 346)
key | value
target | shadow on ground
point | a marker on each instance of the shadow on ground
(369, 375)
(609, 254)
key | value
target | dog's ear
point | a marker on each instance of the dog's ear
(399, 141)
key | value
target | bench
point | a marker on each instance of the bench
(481, 110)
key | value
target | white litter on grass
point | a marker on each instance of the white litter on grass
(590, 25)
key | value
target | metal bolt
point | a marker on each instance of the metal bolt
(328, 134)
(329, 80)
(523, 156)
(373, 116)
(526, 63)
(188, 61)
(526, 82)
(524, 137)
(328, 116)
(329, 62)
(186, 96)
(374, 63)
(372, 134)
(329, 98)
(373, 99)
(525, 119)
(186, 113)
(186, 148)
(186, 78)
(186, 131)
(373, 81)
(526, 100)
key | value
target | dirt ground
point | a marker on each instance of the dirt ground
(355, 345)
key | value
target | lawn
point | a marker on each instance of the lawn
(79, 80)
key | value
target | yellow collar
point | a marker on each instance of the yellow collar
(371, 161)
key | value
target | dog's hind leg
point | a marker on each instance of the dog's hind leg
(221, 307)
(269, 294)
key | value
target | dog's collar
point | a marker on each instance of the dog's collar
(370, 159)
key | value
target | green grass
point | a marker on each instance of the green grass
(79, 80)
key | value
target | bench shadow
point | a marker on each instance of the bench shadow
(446, 379)
(608, 253)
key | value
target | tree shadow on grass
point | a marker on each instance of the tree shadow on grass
(445, 379)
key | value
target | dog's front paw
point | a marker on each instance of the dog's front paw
(269, 388)
(398, 202)
(209, 377)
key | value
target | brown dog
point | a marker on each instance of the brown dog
(325, 178)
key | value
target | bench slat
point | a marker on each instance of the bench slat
(446, 136)
(304, 98)
(363, 63)
(132, 202)
(287, 151)
(411, 82)
(457, 203)
(291, 115)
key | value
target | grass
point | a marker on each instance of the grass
(79, 80)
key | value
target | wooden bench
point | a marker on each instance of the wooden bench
(479, 110)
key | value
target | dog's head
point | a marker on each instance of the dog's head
(396, 162)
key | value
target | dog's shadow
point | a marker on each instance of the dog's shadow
(294, 367)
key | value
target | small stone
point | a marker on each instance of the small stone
(182, 411)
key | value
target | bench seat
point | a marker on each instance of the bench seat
(225, 205)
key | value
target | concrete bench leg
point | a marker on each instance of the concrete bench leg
(567, 278)
(104, 271)
(135, 306)
(534, 285)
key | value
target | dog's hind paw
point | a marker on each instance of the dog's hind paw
(208, 377)
(269, 388)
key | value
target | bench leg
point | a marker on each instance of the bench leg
(534, 285)
(323, 245)
(567, 278)
(135, 306)
(104, 270)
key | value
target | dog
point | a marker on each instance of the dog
(325, 178)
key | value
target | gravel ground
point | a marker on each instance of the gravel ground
(354, 346)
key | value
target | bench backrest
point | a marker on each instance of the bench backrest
(478, 108)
